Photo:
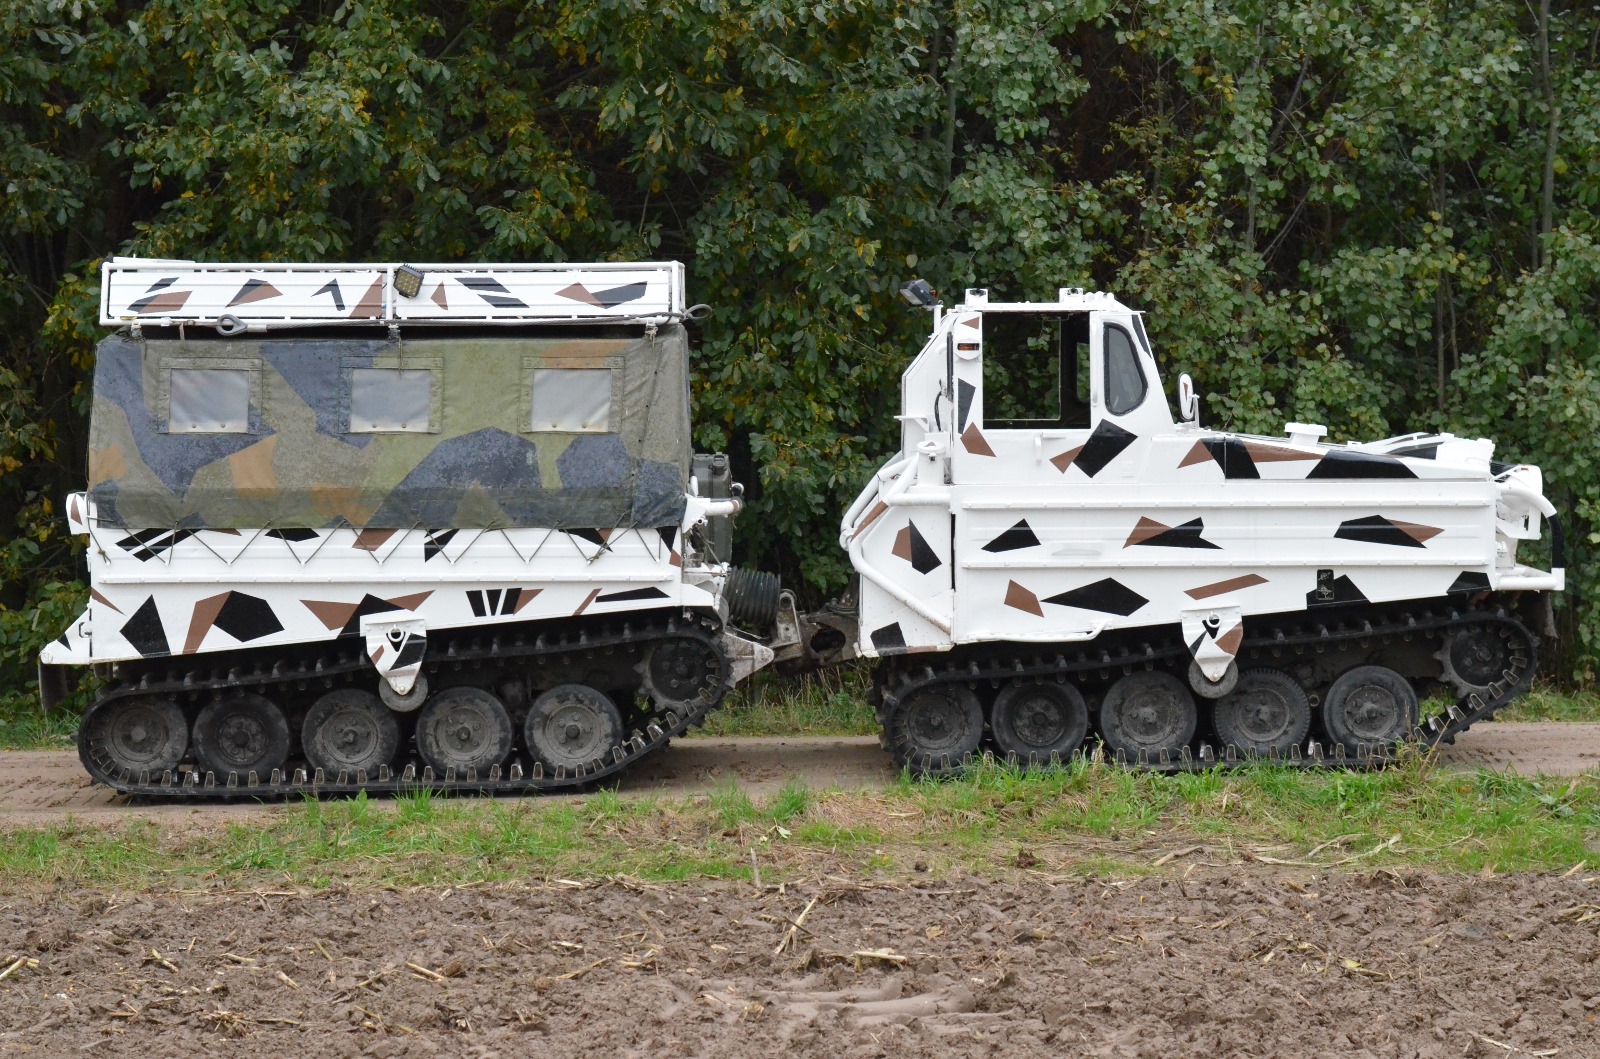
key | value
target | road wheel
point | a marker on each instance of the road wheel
(463, 728)
(1370, 706)
(935, 729)
(139, 735)
(571, 725)
(1148, 712)
(243, 734)
(1038, 722)
(1268, 711)
(348, 730)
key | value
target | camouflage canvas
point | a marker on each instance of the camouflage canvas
(479, 432)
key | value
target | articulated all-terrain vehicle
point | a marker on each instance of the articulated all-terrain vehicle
(387, 526)
(1053, 553)
(372, 526)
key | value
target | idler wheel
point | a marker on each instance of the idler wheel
(139, 735)
(243, 733)
(1370, 706)
(684, 674)
(936, 728)
(1268, 711)
(463, 728)
(1149, 711)
(1036, 721)
(348, 730)
(1474, 658)
(571, 725)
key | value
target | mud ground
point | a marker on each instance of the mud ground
(1376, 965)
(38, 787)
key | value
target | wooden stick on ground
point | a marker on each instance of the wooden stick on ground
(794, 928)
(422, 972)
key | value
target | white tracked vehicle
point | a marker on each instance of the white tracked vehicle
(378, 526)
(1054, 558)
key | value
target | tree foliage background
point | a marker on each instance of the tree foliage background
(1377, 215)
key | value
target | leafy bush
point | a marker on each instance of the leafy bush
(1377, 216)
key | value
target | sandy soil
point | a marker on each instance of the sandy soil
(1365, 966)
(40, 786)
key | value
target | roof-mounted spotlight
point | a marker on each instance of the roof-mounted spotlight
(918, 293)
(408, 281)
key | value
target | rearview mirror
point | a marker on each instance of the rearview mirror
(1188, 400)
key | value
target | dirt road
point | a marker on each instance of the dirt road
(39, 786)
(1211, 963)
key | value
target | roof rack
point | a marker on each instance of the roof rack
(239, 297)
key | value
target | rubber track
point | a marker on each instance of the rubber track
(1307, 632)
(663, 727)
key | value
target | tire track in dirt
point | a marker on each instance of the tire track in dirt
(40, 786)
(1212, 962)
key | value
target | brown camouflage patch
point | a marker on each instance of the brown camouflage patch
(94, 594)
(205, 615)
(1417, 532)
(371, 305)
(252, 469)
(1064, 460)
(1230, 640)
(1232, 584)
(333, 615)
(974, 441)
(1277, 454)
(902, 544)
(586, 601)
(169, 302)
(370, 540)
(579, 293)
(105, 465)
(1022, 599)
(256, 290)
(411, 602)
(877, 509)
(525, 598)
(1198, 454)
(1144, 530)
(346, 502)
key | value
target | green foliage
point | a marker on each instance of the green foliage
(1377, 216)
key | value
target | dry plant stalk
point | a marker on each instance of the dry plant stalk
(794, 928)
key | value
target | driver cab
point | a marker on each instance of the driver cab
(1079, 381)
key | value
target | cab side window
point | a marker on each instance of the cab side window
(1035, 370)
(1125, 382)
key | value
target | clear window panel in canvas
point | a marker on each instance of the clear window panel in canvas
(209, 401)
(571, 400)
(391, 400)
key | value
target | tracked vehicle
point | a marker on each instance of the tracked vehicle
(376, 526)
(1054, 561)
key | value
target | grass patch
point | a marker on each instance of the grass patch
(23, 726)
(1547, 704)
(827, 702)
(1075, 820)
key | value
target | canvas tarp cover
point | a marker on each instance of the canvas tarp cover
(497, 431)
